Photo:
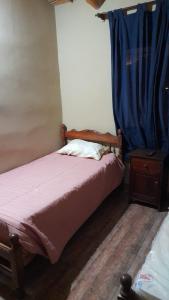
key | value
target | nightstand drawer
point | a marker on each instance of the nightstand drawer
(145, 188)
(147, 167)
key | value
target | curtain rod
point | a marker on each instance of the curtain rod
(103, 16)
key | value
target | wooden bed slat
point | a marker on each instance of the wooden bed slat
(13, 266)
(5, 251)
(5, 270)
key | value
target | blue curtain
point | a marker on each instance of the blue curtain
(140, 75)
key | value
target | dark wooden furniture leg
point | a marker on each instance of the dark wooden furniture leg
(126, 292)
(11, 264)
(17, 266)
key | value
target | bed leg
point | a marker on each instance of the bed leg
(17, 266)
(126, 292)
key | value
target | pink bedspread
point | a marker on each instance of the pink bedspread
(47, 200)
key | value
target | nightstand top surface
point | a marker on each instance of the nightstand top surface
(143, 153)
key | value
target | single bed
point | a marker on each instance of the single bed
(44, 202)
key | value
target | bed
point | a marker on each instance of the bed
(43, 203)
(151, 282)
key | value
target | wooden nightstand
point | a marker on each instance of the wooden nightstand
(148, 178)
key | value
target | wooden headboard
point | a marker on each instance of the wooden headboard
(113, 141)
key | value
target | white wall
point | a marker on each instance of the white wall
(85, 64)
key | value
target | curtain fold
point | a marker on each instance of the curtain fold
(140, 75)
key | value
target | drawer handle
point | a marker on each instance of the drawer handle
(156, 182)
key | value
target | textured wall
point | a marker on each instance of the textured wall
(30, 105)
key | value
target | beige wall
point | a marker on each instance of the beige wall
(85, 64)
(30, 105)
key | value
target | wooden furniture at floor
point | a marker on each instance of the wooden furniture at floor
(11, 262)
(126, 292)
(148, 178)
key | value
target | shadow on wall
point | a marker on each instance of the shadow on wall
(30, 101)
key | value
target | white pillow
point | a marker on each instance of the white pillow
(82, 148)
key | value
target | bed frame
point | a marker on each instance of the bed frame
(11, 262)
(113, 141)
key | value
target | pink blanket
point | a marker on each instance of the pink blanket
(47, 200)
